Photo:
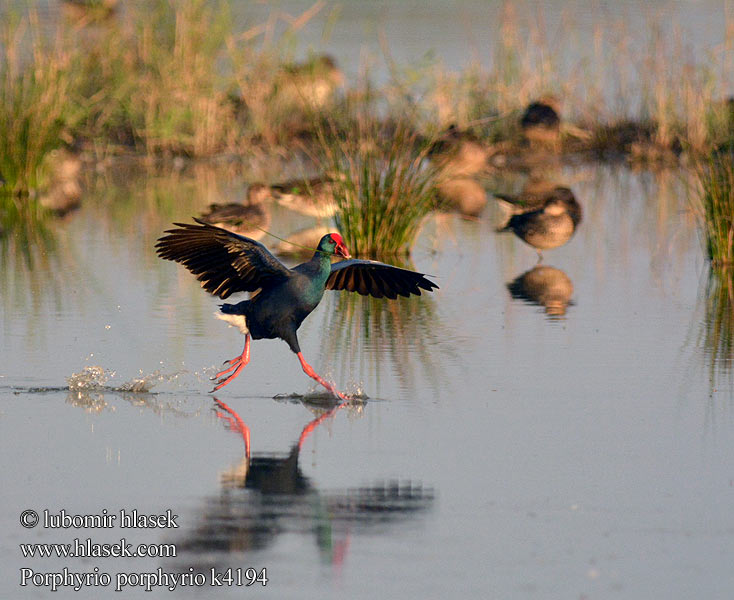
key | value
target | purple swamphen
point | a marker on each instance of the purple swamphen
(226, 263)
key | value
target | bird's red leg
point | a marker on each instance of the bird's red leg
(316, 422)
(308, 370)
(234, 362)
(238, 363)
(235, 423)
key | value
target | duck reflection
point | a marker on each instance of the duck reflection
(268, 495)
(463, 195)
(545, 286)
(544, 215)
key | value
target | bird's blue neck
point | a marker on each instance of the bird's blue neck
(321, 264)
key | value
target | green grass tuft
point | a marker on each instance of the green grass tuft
(37, 82)
(383, 184)
(716, 204)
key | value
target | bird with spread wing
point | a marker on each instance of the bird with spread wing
(226, 263)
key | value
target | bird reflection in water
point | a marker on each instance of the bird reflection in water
(267, 495)
(545, 286)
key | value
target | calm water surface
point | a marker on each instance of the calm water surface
(505, 450)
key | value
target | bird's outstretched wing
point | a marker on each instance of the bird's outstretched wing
(224, 262)
(372, 278)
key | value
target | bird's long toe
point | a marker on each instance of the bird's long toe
(330, 388)
(222, 382)
(342, 396)
(235, 362)
(225, 380)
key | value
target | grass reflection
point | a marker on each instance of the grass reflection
(30, 265)
(375, 332)
(24, 230)
(717, 332)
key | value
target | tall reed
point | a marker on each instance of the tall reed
(383, 184)
(37, 108)
(179, 105)
(278, 99)
(716, 205)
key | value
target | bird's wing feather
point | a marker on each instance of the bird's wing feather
(372, 278)
(224, 262)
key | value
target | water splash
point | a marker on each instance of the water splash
(144, 383)
(85, 388)
(353, 390)
(91, 378)
(356, 391)
(88, 388)
(95, 378)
